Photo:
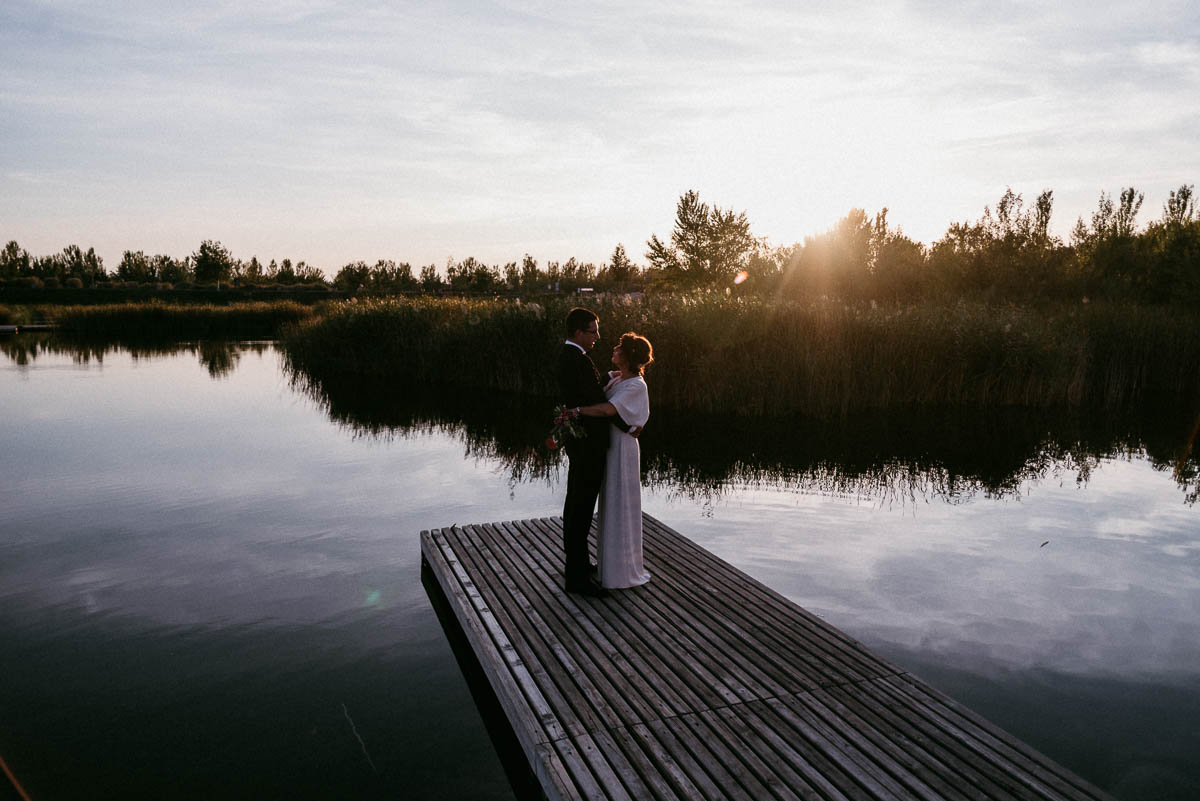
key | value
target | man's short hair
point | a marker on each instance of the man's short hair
(579, 319)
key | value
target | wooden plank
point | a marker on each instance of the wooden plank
(711, 781)
(607, 778)
(796, 755)
(589, 636)
(910, 753)
(842, 744)
(784, 624)
(689, 655)
(569, 689)
(640, 739)
(535, 715)
(707, 684)
(637, 780)
(1038, 771)
(947, 739)
(731, 599)
(686, 685)
(737, 671)
(530, 729)
(740, 756)
(784, 615)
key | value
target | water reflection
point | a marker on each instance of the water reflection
(219, 357)
(899, 457)
(206, 555)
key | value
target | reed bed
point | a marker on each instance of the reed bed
(773, 358)
(157, 320)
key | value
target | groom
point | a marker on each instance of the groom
(580, 385)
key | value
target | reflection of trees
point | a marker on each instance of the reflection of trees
(899, 457)
(219, 358)
(509, 429)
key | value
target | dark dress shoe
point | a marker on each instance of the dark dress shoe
(588, 588)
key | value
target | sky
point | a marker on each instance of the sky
(332, 132)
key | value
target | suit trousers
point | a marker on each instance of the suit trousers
(585, 473)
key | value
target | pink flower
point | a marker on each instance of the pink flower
(551, 444)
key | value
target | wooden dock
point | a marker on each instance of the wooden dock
(706, 684)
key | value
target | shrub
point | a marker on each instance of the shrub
(73, 283)
(156, 320)
(756, 357)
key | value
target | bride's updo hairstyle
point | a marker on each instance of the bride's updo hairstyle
(637, 351)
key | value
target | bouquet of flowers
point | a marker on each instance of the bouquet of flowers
(565, 427)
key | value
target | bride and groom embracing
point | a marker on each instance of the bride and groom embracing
(606, 463)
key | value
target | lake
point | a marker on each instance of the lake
(210, 577)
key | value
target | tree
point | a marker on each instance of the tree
(14, 261)
(309, 274)
(354, 276)
(530, 277)
(709, 246)
(1009, 251)
(93, 267)
(136, 267)
(212, 263)
(1106, 252)
(430, 280)
(70, 262)
(512, 276)
(1179, 209)
(472, 275)
(1169, 253)
(253, 271)
(283, 273)
(169, 270)
(897, 262)
(620, 270)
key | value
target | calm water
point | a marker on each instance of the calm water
(210, 575)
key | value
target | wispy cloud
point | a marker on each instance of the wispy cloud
(568, 127)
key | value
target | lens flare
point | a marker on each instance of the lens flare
(742, 276)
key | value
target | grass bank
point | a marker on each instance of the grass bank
(756, 357)
(157, 320)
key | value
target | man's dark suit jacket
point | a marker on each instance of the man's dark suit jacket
(580, 385)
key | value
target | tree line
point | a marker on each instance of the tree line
(1007, 254)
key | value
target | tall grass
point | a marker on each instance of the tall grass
(756, 357)
(157, 320)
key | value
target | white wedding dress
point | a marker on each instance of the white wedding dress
(619, 544)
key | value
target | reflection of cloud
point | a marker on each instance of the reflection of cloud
(1112, 594)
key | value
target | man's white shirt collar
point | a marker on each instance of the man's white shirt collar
(576, 344)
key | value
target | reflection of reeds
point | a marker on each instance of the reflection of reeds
(878, 457)
(755, 357)
(159, 321)
(498, 427)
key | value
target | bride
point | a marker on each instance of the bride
(620, 517)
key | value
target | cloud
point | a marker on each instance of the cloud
(519, 117)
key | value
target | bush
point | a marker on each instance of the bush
(73, 283)
(156, 320)
(757, 357)
(51, 283)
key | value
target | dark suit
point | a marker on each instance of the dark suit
(580, 385)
